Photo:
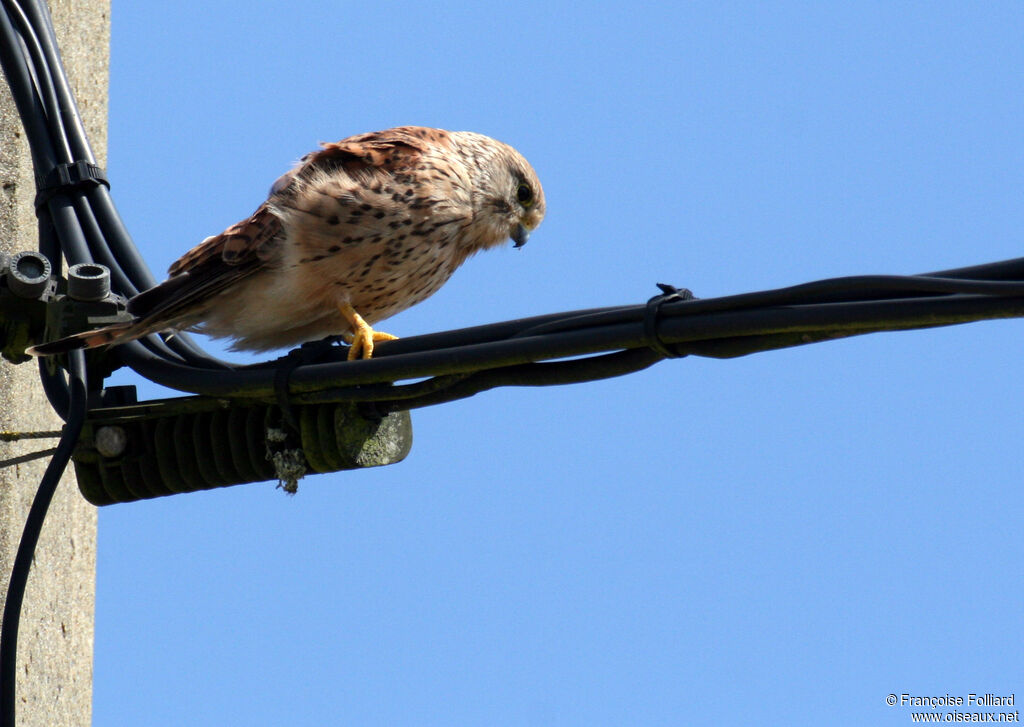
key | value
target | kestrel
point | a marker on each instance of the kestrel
(358, 231)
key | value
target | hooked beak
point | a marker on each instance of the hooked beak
(520, 234)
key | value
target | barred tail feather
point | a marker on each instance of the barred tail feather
(115, 333)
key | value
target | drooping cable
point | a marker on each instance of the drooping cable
(30, 537)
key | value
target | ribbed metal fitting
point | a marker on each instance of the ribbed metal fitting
(28, 274)
(88, 281)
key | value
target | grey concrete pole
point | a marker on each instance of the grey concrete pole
(56, 635)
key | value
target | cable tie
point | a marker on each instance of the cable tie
(669, 293)
(282, 381)
(65, 177)
(311, 352)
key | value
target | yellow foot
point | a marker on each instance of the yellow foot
(362, 337)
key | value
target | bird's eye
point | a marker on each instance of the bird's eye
(524, 194)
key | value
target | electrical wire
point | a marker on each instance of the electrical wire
(20, 80)
(708, 327)
(44, 81)
(30, 536)
(70, 118)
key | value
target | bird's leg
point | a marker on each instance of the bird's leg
(362, 337)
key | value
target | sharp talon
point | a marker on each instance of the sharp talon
(362, 336)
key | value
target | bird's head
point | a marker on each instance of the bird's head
(508, 200)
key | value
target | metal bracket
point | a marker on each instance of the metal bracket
(35, 306)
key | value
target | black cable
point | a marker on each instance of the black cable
(30, 537)
(625, 330)
(744, 332)
(26, 98)
(44, 81)
(116, 236)
(1003, 270)
(71, 120)
(69, 231)
(833, 290)
(183, 344)
(55, 387)
(443, 389)
(101, 253)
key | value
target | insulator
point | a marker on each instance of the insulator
(207, 443)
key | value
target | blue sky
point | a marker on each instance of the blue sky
(784, 538)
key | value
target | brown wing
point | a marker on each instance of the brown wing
(242, 243)
(209, 267)
(390, 150)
